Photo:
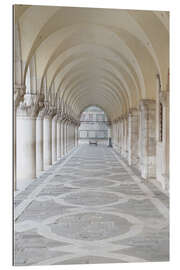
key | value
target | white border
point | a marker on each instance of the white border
(6, 126)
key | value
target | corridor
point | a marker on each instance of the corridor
(90, 75)
(91, 207)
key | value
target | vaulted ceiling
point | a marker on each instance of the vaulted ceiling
(104, 57)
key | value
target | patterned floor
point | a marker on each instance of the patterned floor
(90, 208)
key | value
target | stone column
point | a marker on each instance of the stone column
(54, 139)
(133, 137)
(165, 102)
(109, 135)
(58, 138)
(76, 135)
(65, 137)
(70, 136)
(18, 91)
(26, 140)
(120, 135)
(123, 136)
(148, 138)
(162, 149)
(73, 135)
(115, 135)
(39, 142)
(127, 135)
(77, 132)
(62, 138)
(47, 143)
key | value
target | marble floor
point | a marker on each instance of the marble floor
(90, 207)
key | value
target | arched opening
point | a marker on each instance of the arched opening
(93, 126)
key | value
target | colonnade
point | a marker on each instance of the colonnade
(136, 136)
(44, 134)
(69, 62)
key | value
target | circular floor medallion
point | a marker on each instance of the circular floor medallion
(90, 226)
(91, 198)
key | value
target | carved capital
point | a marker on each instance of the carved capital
(120, 119)
(133, 112)
(51, 111)
(58, 115)
(30, 105)
(19, 91)
(146, 104)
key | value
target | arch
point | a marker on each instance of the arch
(116, 50)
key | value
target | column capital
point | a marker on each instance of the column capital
(77, 123)
(119, 119)
(43, 110)
(125, 116)
(55, 117)
(73, 121)
(51, 111)
(30, 105)
(19, 91)
(114, 121)
(63, 117)
(58, 115)
(145, 104)
(133, 111)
